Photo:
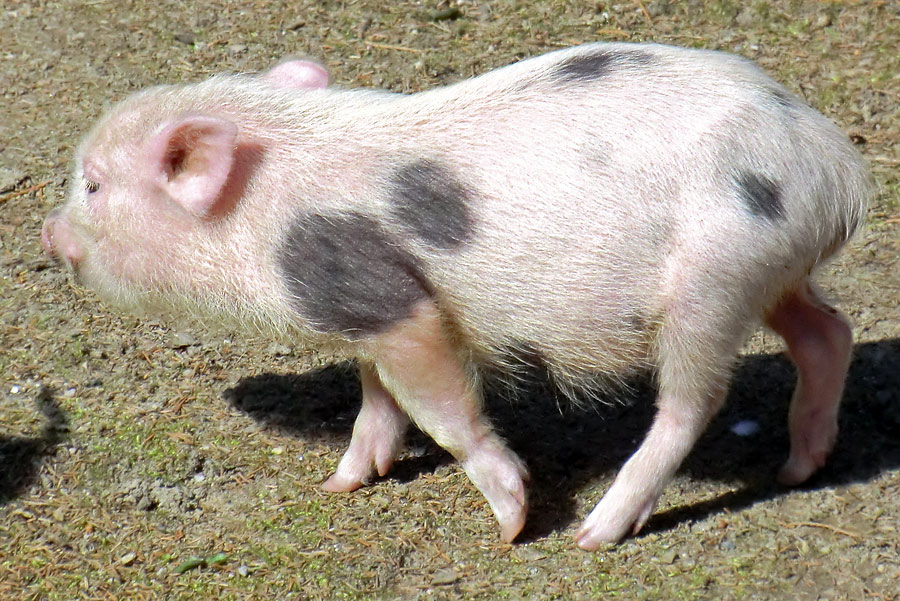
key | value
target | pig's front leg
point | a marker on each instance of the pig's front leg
(377, 436)
(425, 374)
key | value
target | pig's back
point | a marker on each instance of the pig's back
(590, 174)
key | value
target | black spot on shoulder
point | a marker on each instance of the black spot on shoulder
(346, 275)
(761, 195)
(590, 67)
(432, 204)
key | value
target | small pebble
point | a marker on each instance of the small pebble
(279, 350)
(446, 576)
(529, 554)
(10, 178)
(185, 37)
(181, 340)
(448, 14)
(745, 427)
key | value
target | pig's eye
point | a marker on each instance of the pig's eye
(91, 186)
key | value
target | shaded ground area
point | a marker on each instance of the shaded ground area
(127, 449)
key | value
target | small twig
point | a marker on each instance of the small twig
(182, 437)
(819, 525)
(147, 358)
(27, 190)
(644, 10)
(687, 36)
(391, 47)
(892, 220)
(613, 31)
(879, 595)
(182, 400)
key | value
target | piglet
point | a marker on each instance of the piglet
(601, 209)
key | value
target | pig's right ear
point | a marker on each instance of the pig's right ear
(190, 159)
(297, 74)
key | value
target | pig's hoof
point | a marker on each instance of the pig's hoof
(809, 452)
(366, 457)
(605, 525)
(797, 470)
(510, 509)
(354, 471)
(500, 476)
(341, 483)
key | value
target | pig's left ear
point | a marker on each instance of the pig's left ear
(191, 158)
(297, 75)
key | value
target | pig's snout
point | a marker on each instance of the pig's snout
(59, 240)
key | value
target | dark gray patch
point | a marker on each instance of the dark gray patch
(345, 274)
(782, 98)
(430, 202)
(587, 68)
(637, 322)
(761, 195)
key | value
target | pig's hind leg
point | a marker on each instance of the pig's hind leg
(377, 436)
(426, 375)
(696, 347)
(820, 343)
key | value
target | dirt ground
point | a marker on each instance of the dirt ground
(138, 462)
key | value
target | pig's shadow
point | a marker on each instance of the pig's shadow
(568, 448)
(21, 457)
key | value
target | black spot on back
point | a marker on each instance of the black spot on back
(782, 98)
(587, 68)
(345, 274)
(761, 195)
(430, 202)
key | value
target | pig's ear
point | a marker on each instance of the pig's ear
(191, 158)
(297, 74)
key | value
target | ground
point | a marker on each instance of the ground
(138, 462)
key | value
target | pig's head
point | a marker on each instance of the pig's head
(154, 216)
